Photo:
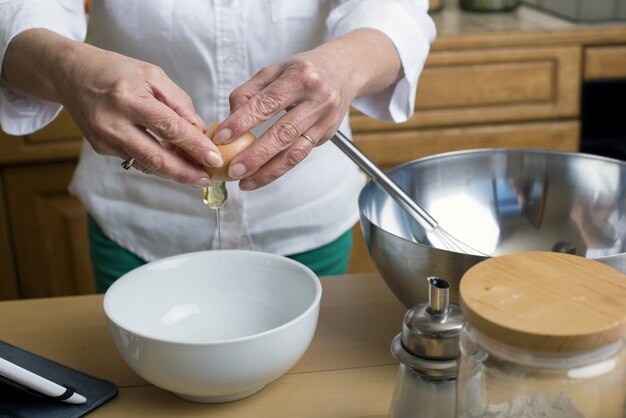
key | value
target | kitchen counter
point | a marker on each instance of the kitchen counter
(526, 26)
(348, 370)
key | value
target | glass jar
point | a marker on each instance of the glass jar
(497, 380)
(489, 5)
(544, 336)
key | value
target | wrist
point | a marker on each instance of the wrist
(71, 60)
(343, 54)
(372, 58)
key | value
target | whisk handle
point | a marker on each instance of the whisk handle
(382, 180)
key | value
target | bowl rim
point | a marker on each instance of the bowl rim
(312, 306)
(506, 150)
(367, 188)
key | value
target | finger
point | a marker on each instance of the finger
(251, 87)
(277, 96)
(196, 176)
(280, 164)
(179, 151)
(169, 126)
(136, 165)
(170, 94)
(130, 132)
(277, 138)
(104, 146)
(100, 131)
(168, 146)
(154, 159)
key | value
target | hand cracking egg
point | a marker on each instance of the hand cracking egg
(228, 152)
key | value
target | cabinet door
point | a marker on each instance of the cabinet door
(8, 280)
(49, 231)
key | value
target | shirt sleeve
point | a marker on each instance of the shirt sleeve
(411, 30)
(21, 114)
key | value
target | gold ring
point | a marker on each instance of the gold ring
(308, 138)
(127, 164)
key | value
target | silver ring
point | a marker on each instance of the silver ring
(308, 138)
(127, 164)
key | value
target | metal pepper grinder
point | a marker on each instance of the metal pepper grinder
(427, 349)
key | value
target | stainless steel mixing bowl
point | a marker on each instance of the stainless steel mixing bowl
(498, 201)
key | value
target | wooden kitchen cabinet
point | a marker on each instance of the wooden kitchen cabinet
(491, 80)
(605, 62)
(8, 277)
(49, 231)
(43, 243)
(474, 87)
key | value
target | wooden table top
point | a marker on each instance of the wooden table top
(348, 370)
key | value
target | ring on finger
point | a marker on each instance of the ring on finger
(127, 164)
(308, 138)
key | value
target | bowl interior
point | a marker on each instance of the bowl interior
(212, 296)
(508, 200)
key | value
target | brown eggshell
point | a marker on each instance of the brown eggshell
(228, 152)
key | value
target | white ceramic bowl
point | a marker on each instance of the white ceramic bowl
(214, 326)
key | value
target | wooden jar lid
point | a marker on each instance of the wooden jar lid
(548, 302)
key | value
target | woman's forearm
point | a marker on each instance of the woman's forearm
(372, 57)
(37, 62)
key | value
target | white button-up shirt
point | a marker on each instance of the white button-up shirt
(210, 47)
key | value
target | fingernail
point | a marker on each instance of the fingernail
(203, 182)
(222, 135)
(214, 159)
(237, 171)
(247, 185)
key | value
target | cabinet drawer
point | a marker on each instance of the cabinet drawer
(477, 87)
(605, 62)
(388, 149)
(58, 141)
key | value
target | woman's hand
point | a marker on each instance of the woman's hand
(316, 88)
(114, 100)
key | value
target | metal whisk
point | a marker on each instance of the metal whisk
(436, 234)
